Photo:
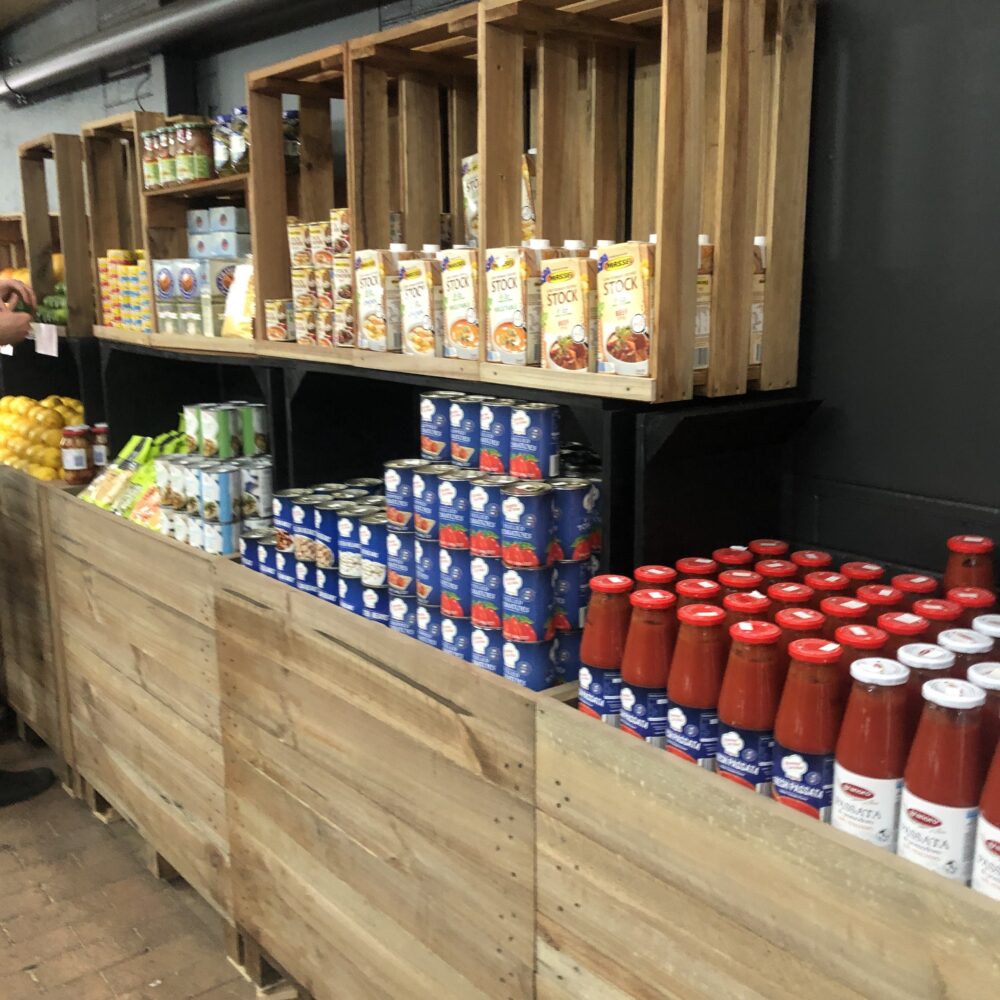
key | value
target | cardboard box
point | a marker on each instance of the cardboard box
(228, 219)
(278, 317)
(167, 320)
(304, 287)
(164, 281)
(421, 307)
(189, 318)
(198, 220)
(299, 253)
(625, 307)
(376, 274)
(321, 243)
(213, 315)
(228, 244)
(343, 278)
(340, 230)
(305, 326)
(513, 299)
(198, 245)
(569, 315)
(460, 300)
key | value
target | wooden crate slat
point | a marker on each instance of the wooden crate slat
(315, 159)
(603, 144)
(420, 157)
(646, 117)
(461, 143)
(37, 234)
(368, 155)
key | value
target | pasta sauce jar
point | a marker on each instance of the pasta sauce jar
(696, 591)
(925, 662)
(970, 562)
(789, 595)
(692, 567)
(745, 607)
(974, 601)
(840, 610)
(987, 677)
(602, 646)
(733, 556)
(655, 577)
(915, 587)
(940, 615)
(880, 598)
(968, 647)
(986, 862)
(901, 627)
(739, 581)
(863, 572)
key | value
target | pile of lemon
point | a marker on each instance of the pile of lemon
(30, 431)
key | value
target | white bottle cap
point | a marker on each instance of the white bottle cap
(539, 244)
(950, 693)
(879, 670)
(924, 656)
(605, 243)
(430, 248)
(533, 151)
(987, 625)
(965, 640)
(397, 247)
(704, 240)
(574, 245)
(652, 237)
(985, 675)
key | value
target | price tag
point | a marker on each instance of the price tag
(7, 349)
(46, 339)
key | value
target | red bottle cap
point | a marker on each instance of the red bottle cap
(701, 614)
(754, 632)
(790, 593)
(697, 566)
(937, 611)
(866, 572)
(915, 583)
(746, 603)
(902, 623)
(799, 619)
(652, 600)
(860, 636)
(970, 545)
(740, 579)
(662, 576)
(705, 589)
(611, 583)
(877, 593)
(972, 597)
(814, 650)
(734, 555)
(776, 567)
(769, 548)
(843, 607)
(812, 559)
(827, 581)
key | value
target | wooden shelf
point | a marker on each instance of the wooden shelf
(587, 384)
(233, 184)
(177, 341)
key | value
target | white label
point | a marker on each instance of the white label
(940, 838)
(866, 807)
(392, 479)
(100, 454)
(477, 498)
(986, 866)
(74, 459)
(512, 509)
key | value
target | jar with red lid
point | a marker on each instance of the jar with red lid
(789, 595)
(776, 570)
(915, 587)
(733, 555)
(985, 870)
(811, 560)
(695, 567)
(697, 591)
(77, 455)
(863, 572)
(797, 623)
(857, 642)
(752, 606)
(738, 581)
(602, 646)
(940, 614)
(974, 601)
(968, 646)
(826, 584)
(881, 598)
(842, 610)
(655, 577)
(100, 447)
(987, 677)
(902, 628)
(769, 548)
(926, 662)
(970, 562)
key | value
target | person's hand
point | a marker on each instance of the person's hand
(14, 326)
(11, 291)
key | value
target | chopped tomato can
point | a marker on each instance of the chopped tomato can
(453, 507)
(526, 530)
(455, 637)
(456, 590)
(566, 655)
(327, 584)
(485, 515)
(534, 441)
(284, 567)
(428, 571)
(529, 664)
(429, 625)
(266, 556)
(572, 509)
(527, 604)
(435, 427)
(401, 567)
(486, 647)
(403, 614)
(375, 604)
(494, 435)
(399, 491)
(425, 499)
(464, 418)
(572, 594)
(486, 591)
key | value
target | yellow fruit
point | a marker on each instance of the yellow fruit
(58, 267)
(33, 453)
(51, 458)
(46, 418)
(5, 402)
(51, 437)
(68, 415)
(19, 463)
(47, 475)
(35, 433)
(49, 402)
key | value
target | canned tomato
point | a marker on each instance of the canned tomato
(571, 595)
(327, 584)
(371, 534)
(369, 484)
(425, 499)
(305, 576)
(486, 591)
(282, 511)
(221, 539)
(486, 646)
(399, 491)
(456, 590)
(375, 500)
(463, 416)
(193, 469)
(180, 526)
(349, 540)
(453, 507)
(325, 515)
(221, 433)
(526, 610)
(534, 441)
(403, 614)
(196, 532)
(284, 567)
(401, 568)
(375, 604)
(349, 591)
(267, 556)
(191, 418)
(435, 429)
(428, 563)
(485, 498)
(455, 636)
(304, 526)
(220, 491)
(529, 664)
(596, 525)
(526, 525)
(494, 435)
(256, 488)
(572, 507)
(566, 655)
(429, 625)
(253, 429)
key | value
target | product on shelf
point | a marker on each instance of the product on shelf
(649, 649)
(124, 287)
(568, 314)
(32, 435)
(974, 601)
(986, 859)
(625, 308)
(191, 293)
(377, 297)
(421, 308)
(513, 301)
(460, 303)
(970, 562)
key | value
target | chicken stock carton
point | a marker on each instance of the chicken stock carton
(513, 302)
(459, 290)
(421, 306)
(376, 284)
(569, 314)
(625, 307)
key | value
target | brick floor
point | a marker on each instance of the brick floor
(82, 919)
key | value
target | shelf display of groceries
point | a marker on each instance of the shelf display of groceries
(124, 290)
(33, 436)
(477, 547)
(866, 702)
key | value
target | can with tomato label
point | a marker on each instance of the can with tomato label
(284, 567)
(486, 649)
(572, 510)
(267, 556)
(349, 539)
(572, 594)
(425, 499)
(401, 567)
(305, 576)
(368, 484)
(429, 625)
(456, 590)
(526, 610)
(349, 591)
(428, 562)
(596, 524)
(435, 427)
(348, 494)
(566, 655)
(325, 515)
(486, 591)
(526, 525)
(529, 664)
(327, 584)
(399, 491)
(372, 535)
(494, 435)
(455, 637)
(375, 604)
(453, 507)
(463, 415)
(485, 515)
(282, 511)
(534, 441)
(403, 614)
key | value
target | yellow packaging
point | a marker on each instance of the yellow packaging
(343, 277)
(569, 314)
(460, 297)
(703, 307)
(321, 243)
(513, 276)
(528, 195)
(305, 326)
(376, 275)
(299, 252)
(421, 307)
(757, 302)
(325, 324)
(625, 307)
(304, 287)
(340, 230)
(343, 324)
(470, 198)
(324, 287)
(277, 315)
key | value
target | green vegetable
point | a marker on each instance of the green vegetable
(60, 288)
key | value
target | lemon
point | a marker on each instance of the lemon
(46, 418)
(47, 475)
(51, 437)
(51, 458)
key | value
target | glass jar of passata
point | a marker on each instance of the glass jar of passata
(697, 591)
(608, 615)
(987, 677)
(974, 601)
(797, 623)
(915, 587)
(970, 562)
(789, 595)
(842, 610)
(769, 548)
(826, 584)
(940, 614)
(649, 645)
(857, 642)
(926, 662)
(811, 560)
(881, 598)
(863, 572)
(968, 646)
(753, 606)
(776, 570)
(733, 556)
(902, 628)
(655, 577)
(739, 581)
(693, 567)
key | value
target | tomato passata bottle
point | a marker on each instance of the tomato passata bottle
(649, 648)
(810, 560)
(806, 728)
(602, 646)
(693, 685)
(970, 562)
(940, 614)
(902, 628)
(796, 623)
(926, 662)
(881, 598)
(863, 572)
(769, 548)
(968, 646)
(826, 584)
(696, 591)
(655, 577)
(776, 570)
(974, 601)
(915, 587)
(748, 703)
(733, 556)
(871, 753)
(752, 606)
(842, 610)
(858, 642)
(788, 595)
(738, 581)
(693, 567)
(986, 863)
(987, 677)
(943, 780)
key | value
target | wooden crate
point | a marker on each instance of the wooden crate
(137, 628)
(65, 152)
(659, 879)
(13, 252)
(381, 802)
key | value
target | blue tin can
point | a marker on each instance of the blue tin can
(327, 584)
(534, 441)
(456, 582)
(349, 539)
(453, 507)
(358, 496)
(267, 556)
(572, 505)
(527, 604)
(429, 625)
(305, 576)
(464, 417)
(526, 525)
(282, 517)
(428, 562)
(596, 524)
(435, 427)
(403, 614)
(486, 645)
(455, 637)
(284, 568)
(349, 591)
(486, 591)
(529, 664)
(401, 566)
(399, 491)
(572, 593)
(249, 541)
(367, 484)
(304, 526)
(566, 655)
(325, 515)
(425, 499)
(372, 535)
(494, 435)
(328, 488)
(375, 604)
(485, 514)
(219, 494)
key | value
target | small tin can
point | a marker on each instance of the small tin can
(425, 499)
(527, 602)
(534, 441)
(256, 488)
(192, 484)
(375, 604)
(429, 625)
(572, 594)
(371, 534)
(284, 567)
(455, 637)
(374, 500)
(596, 525)
(267, 556)
(161, 470)
(350, 494)
(221, 539)
(255, 439)
(399, 491)
(486, 591)
(403, 614)
(349, 540)
(191, 419)
(486, 646)
(180, 526)
(196, 532)
(456, 583)
(282, 516)
(328, 488)
(453, 507)
(526, 525)
(366, 483)
(178, 480)
(463, 416)
(435, 429)
(349, 591)
(428, 564)
(529, 664)
(572, 506)
(167, 521)
(566, 655)
(305, 575)
(220, 492)
(325, 515)
(248, 549)
(304, 526)
(221, 434)
(401, 567)
(327, 584)
(485, 514)
(258, 524)
(494, 435)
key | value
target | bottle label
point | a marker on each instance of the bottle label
(644, 713)
(986, 866)
(74, 459)
(803, 781)
(600, 693)
(693, 734)
(744, 756)
(941, 838)
(866, 807)
(100, 455)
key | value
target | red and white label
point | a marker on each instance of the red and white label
(986, 865)
(941, 838)
(866, 807)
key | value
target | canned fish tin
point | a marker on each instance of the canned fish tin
(349, 540)
(464, 421)
(425, 499)
(403, 614)
(349, 591)
(534, 441)
(527, 602)
(196, 532)
(304, 526)
(486, 591)
(455, 637)
(429, 625)
(371, 534)
(399, 491)
(526, 525)
(494, 435)
(456, 584)
(220, 492)
(453, 507)
(284, 567)
(221, 539)
(485, 515)
(401, 567)
(428, 563)
(192, 426)
(572, 510)
(327, 583)
(486, 646)
(221, 435)
(248, 548)
(325, 515)
(282, 513)
(180, 526)
(367, 483)
(566, 655)
(375, 604)
(572, 594)
(529, 664)
(254, 438)
(267, 556)
(256, 488)
(435, 428)
(596, 525)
